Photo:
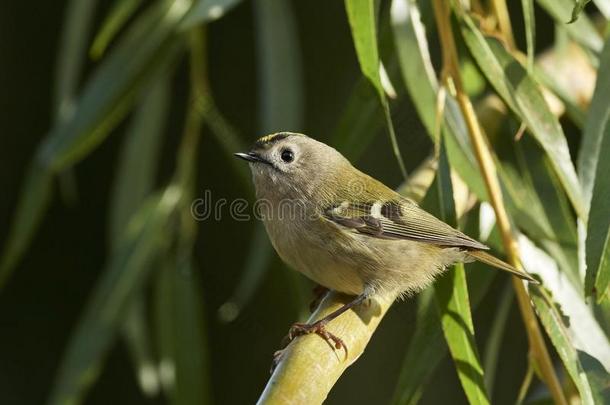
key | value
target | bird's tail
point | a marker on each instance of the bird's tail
(486, 258)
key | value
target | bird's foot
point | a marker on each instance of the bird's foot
(319, 328)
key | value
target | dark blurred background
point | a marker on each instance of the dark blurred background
(48, 290)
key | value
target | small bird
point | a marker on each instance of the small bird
(347, 231)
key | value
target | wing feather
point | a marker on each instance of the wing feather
(398, 219)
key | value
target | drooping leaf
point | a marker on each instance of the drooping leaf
(181, 333)
(138, 336)
(594, 167)
(579, 6)
(582, 30)
(552, 321)
(585, 332)
(207, 10)
(451, 294)
(120, 12)
(361, 16)
(72, 54)
(420, 79)
(521, 93)
(137, 165)
(122, 278)
(32, 204)
(529, 20)
(134, 182)
(150, 46)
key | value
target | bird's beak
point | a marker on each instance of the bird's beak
(251, 157)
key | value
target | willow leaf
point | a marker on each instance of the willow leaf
(420, 79)
(120, 281)
(361, 16)
(582, 30)
(119, 14)
(521, 93)
(452, 298)
(593, 171)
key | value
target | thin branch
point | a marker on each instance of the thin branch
(488, 170)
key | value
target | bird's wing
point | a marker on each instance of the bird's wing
(397, 219)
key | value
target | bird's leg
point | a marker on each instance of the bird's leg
(319, 328)
(319, 293)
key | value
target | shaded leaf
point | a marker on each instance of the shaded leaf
(582, 30)
(529, 20)
(594, 167)
(520, 92)
(120, 13)
(181, 332)
(33, 201)
(149, 47)
(420, 79)
(207, 10)
(122, 278)
(72, 54)
(137, 165)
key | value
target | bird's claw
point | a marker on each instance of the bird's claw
(319, 328)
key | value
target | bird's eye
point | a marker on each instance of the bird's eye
(287, 155)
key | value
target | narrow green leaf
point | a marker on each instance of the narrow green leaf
(137, 335)
(579, 6)
(33, 200)
(553, 324)
(361, 16)
(586, 334)
(360, 121)
(594, 167)
(121, 11)
(582, 30)
(71, 55)
(137, 165)
(279, 67)
(420, 79)
(181, 327)
(150, 46)
(134, 181)
(529, 21)
(453, 302)
(110, 92)
(496, 337)
(521, 93)
(122, 278)
(206, 11)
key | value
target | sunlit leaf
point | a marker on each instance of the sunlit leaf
(578, 8)
(521, 93)
(452, 298)
(553, 324)
(361, 16)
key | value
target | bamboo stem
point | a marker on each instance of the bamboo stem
(488, 171)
